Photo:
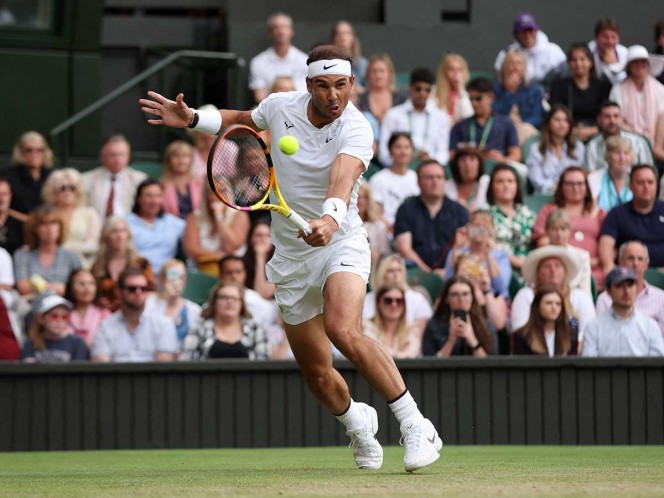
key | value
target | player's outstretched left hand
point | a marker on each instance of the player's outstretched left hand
(321, 232)
(173, 113)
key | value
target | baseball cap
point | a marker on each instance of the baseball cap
(619, 275)
(525, 21)
(52, 301)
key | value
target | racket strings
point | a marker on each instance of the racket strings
(240, 169)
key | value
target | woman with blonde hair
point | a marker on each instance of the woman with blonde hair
(182, 189)
(31, 161)
(610, 186)
(376, 227)
(389, 325)
(450, 93)
(381, 94)
(64, 192)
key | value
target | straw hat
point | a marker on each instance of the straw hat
(535, 257)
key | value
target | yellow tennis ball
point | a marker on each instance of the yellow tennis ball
(288, 144)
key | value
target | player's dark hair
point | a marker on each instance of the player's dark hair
(324, 52)
(422, 75)
(148, 182)
(396, 136)
(482, 85)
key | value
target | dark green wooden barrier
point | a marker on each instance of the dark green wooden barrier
(242, 404)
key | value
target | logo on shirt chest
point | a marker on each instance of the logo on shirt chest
(288, 125)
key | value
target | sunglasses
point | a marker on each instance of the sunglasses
(136, 288)
(67, 188)
(476, 98)
(55, 317)
(392, 300)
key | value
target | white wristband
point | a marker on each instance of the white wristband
(336, 208)
(208, 122)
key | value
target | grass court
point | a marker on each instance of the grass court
(514, 471)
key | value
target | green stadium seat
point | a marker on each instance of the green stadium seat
(432, 282)
(490, 75)
(371, 170)
(536, 201)
(198, 286)
(525, 148)
(151, 168)
(402, 80)
(516, 283)
(655, 277)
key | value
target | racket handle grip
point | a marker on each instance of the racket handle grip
(300, 222)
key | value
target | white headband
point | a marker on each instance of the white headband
(331, 66)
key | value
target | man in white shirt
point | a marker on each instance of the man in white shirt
(609, 55)
(429, 127)
(280, 59)
(622, 330)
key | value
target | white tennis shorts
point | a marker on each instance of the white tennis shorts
(299, 283)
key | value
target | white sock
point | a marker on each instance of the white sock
(353, 418)
(405, 410)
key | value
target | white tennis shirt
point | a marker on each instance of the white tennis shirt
(304, 177)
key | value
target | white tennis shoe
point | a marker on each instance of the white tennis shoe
(422, 444)
(367, 451)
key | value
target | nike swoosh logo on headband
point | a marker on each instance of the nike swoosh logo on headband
(325, 68)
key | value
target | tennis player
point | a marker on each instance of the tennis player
(321, 279)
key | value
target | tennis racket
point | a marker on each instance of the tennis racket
(241, 175)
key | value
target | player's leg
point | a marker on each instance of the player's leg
(344, 298)
(313, 351)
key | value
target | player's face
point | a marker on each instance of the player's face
(624, 293)
(634, 256)
(643, 185)
(550, 307)
(329, 97)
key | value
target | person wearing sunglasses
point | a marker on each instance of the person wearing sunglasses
(389, 325)
(51, 337)
(63, 191)
(428, 126)
(134, 333)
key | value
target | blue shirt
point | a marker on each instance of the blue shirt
(69, 348)
(610, 335)
(623, 223)
(157, 242)
(527, 98)
(501, 137)
(430, 236)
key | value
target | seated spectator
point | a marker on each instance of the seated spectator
(582, 93)
(450, 93)
(640, 95)
(623, 330)
(227, 330)
(62, 190)
(85, 317)
(640, 219)
(494, 306)
(11, 222)
(169, 302)
(263, 311)
(259, 251)
(515, 98)
(281, 58)
(182, 189)
(376, 227)
(213, 231)
(425, 224)
(134, 333)
(50, 338)
(116, 254)
(546, 333)
(556, 149)
(574, 197)
(202, 145)
(609, 55)
(478, 239)
(610, 122)
(392, 270)
(552, 266)
(468, 184)
(156, 233)
(428, 126)
(659, 46)
(649, 299)
(494, 136)
(610, 186)
(544, 57)
(343, 35)
(280, 84)
(459, 327)
(389, 326)
(558, 233)
(657, 150)
(512, 218)
(381, 94)
(32, 159)
(44, 264)
(111, 187)
(395, 184)
(13, 310)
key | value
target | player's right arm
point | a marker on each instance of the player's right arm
(177, 114)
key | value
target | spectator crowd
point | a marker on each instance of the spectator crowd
(517, 214)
